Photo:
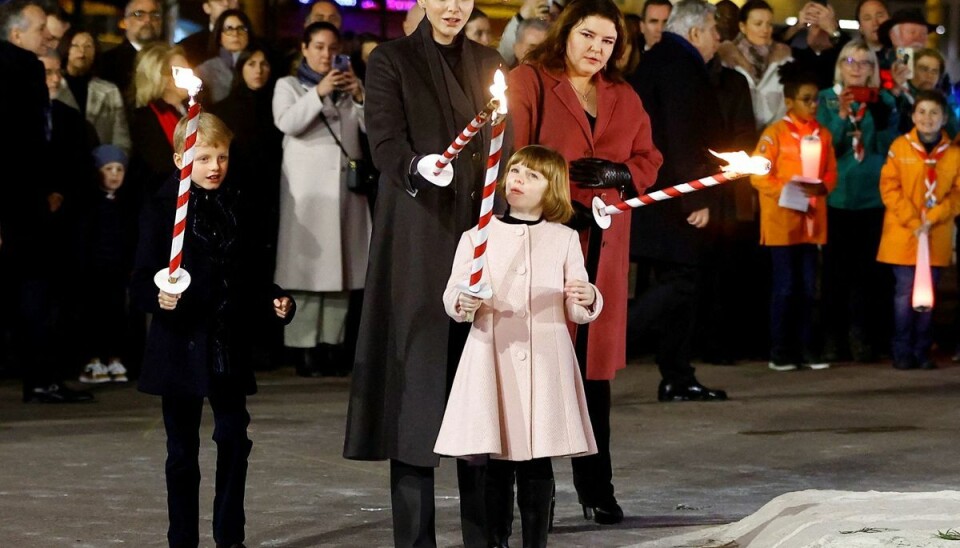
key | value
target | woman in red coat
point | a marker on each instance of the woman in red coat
(596, 121)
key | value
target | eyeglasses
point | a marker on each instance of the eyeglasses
(865, 64)
(807, 100)
(231, 31)
(142, 15)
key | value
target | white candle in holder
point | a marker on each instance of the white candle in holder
(810, 153)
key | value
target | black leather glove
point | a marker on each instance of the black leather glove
(416, 181)
(597, 173)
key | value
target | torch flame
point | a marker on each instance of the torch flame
(499, 92)
(739, 162)
(185, 79)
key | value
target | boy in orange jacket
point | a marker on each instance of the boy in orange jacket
(793, 235)
(920, 188)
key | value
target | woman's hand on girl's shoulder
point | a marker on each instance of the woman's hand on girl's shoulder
(779, 52)
(580, 291)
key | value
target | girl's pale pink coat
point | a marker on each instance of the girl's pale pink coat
(517, 394)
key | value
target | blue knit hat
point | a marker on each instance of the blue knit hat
(107, 154)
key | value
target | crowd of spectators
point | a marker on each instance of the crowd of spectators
(314, 238)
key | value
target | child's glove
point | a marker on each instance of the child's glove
(598, 173)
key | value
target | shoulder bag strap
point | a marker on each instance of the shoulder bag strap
(323, 119)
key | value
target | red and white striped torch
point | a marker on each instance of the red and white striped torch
(738, 165)
(436, 168)
(175, 279)
(475, 286)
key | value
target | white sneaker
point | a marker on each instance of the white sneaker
(117, 372)
(817, 365)
(782, 366)
(94, 373)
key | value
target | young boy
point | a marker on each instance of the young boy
(108, 230)
(191, 352)
(920, 188)
(793, 235)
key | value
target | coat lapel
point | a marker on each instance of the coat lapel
(606, 106)
(564, 91)
(436, 66)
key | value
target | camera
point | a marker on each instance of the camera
(864, 94)
(905, 56)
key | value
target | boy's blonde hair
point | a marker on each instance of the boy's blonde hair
(153, 70)
(211, 131)
(556, 198)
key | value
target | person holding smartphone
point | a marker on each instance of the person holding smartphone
(863, 121)
(324, 230)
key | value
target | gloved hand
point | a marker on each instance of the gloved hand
(598, 173)
(582, 217)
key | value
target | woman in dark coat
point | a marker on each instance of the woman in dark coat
(425, 88)
(568, 97)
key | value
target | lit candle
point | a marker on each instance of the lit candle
(436, 168)
(475, 286)
(810, 155)
(738, 165)
(175, 279)
(922, 277)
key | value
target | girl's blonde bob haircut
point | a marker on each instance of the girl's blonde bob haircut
(211, 131)
(153, 71)
(556, 198)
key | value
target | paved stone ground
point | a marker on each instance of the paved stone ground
(92, 475)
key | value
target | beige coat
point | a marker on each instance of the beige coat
(324, 236)
(105, 111)
(517, 394)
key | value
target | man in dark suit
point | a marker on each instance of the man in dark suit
(197, 45)
(669, 238)
(142, 23)
(27, 198)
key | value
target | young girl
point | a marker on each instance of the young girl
(793, 235)
(920, 188)
(517, 396)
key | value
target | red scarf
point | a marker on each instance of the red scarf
(797, 132)
(930, 160)
(168, 118)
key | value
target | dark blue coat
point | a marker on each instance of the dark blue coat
(181, 356)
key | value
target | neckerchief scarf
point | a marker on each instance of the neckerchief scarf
(757, 56)
(930, 160)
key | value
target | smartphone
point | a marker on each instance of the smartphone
(342, 62)
(863, 94)
(905, 56)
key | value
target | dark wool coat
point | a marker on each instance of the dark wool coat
(178, 358)
(24, 213)
(118, 65)
(408, 348)
(622, 134)
(673, 83)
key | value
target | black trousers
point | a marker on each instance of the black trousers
(35, 328)
(593, 474)
(856, 288)
(414, 510)
(667, 308)
(181, 417)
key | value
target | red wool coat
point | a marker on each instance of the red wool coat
(622, 134)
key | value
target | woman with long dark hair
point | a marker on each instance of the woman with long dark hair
(232, 34)
(596, 121)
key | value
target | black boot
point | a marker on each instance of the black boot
(534, 497)
(499, 502)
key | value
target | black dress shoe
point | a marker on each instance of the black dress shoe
(688, 391)
(609, 513)
(55, 393)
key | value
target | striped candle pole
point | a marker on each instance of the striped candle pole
(744, 166)
(465, 136)
(183, 195)
(175, 279)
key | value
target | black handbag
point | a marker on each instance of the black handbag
(362, 176)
